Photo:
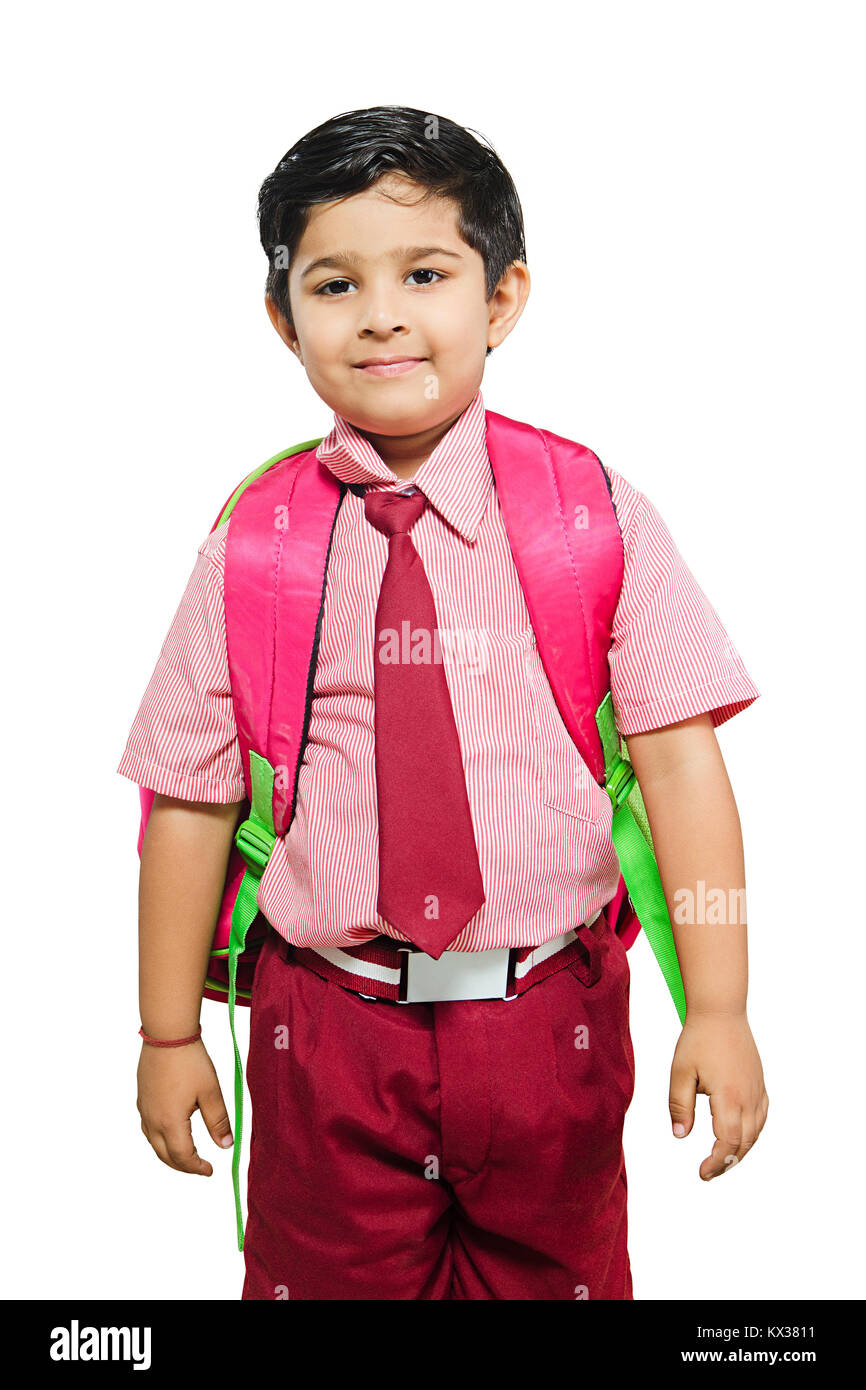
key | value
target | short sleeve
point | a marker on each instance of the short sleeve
(183, 741)
(670, 656)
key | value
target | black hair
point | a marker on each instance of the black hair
(351, 151)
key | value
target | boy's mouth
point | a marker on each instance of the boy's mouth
(388, 366)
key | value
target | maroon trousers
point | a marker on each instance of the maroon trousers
(459, 1150)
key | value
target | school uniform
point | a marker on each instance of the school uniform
(462, 1148)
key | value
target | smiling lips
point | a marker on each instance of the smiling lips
(388, 366)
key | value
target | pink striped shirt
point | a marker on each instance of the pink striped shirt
(542, 823)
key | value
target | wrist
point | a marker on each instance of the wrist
(166, 1020)
(728, 1013)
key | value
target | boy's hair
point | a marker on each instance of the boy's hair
(353, 150)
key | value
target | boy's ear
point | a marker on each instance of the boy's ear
(283, 327)
(508, 302)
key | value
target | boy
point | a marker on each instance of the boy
(464, 1145)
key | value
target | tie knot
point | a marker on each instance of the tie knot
(393, 513)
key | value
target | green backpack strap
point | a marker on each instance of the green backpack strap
(257, 473)
(634, 846)
(255, 839)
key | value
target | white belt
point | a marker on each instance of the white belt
(456, 974)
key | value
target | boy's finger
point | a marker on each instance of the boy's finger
(752, 1128)
(681, 1100)
(215, 1116)
(156, 1140)
(727, 1116)
(182, 1151)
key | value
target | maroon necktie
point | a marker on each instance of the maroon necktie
(429, 878)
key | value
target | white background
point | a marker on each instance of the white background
(691, 178)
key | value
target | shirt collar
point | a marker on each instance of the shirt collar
(456, 479)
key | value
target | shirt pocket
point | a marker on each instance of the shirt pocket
(565, 782)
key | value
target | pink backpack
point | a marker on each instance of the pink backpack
(567, 547)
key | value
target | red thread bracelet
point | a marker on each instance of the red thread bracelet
(177, 1042)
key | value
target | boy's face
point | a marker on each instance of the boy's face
(384, 293)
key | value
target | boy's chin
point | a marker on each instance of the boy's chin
(411, 413)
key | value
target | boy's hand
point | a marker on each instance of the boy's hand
(716, 1056)
(172, 1083)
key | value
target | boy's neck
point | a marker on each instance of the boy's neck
(404, 454)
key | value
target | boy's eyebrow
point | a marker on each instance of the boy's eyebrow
(401, 253)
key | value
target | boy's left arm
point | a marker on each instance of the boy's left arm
(699, 848)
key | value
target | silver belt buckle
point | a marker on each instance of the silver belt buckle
(456, 975)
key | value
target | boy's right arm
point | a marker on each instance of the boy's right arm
(183, 867)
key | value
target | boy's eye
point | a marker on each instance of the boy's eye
(325, 289)
(425, 271)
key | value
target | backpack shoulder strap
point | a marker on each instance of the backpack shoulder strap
(229, 505)
(145, 793)
(567, 545)
(567, 548)
(277, 544)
